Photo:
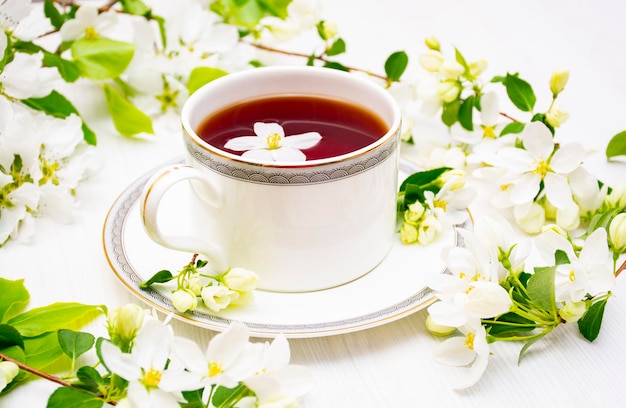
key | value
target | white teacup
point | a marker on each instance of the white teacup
(301, 226)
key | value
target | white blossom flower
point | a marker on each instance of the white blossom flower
(274, 379)
(217, 297)
(556, 116)
(152, 382)
(87, 23)
(271, 144)
(12, 11)
(469, 354)
(228, 359)
(540, 162)
(302, 15)
(530, 218)
(25, 77)
(590, 273)
(472, 289)
(451, 204)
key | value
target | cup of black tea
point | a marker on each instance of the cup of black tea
(294, 172)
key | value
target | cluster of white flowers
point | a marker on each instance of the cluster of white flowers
(476, 292)
(159, 366)
(234, 287)
(423, 221)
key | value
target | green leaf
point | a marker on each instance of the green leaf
(276, 8)
(162, 276)
(66, 397)
(136, 7)
(44, 351)
(9, 336)
(200, 76)
(89, 378)
(53, 14)
(520, 92)
(461, 60)
(513, 127)
(518, 324)
(617, 145)
(193, 398)
(53, 317)
(14, 298)
(101, 58)
(423, 178)
(395, 65)
(528, 344)
(466, 112)
(560, 257)
(67, 69)
(589, 325)
(602, 220)
(337, 47)
(541, 288)
(450, 112)
(127, 118)
(336, 65)
(74, 343)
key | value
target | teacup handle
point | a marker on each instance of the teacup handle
(156, 188)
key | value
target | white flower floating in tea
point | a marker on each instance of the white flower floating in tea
(271, 144)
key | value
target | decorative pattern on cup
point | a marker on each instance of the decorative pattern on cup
(293, 175)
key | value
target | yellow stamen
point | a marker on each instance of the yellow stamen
(214, 369)
(152, 378)
(469, 340)
(542, 168)
(572, 276)
(489, 132)
(273, 141)
(440, 204)
(91, 33)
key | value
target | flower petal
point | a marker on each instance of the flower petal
(454, 352)
(246, 143)
(259, 154)
(525, 189)
(303, 141)
(557, 190)
(538, 140)
(567, 158)
(265, 129)
(288, 154)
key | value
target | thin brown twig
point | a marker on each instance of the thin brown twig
(35, 371)
(318, 58)
(620, 269)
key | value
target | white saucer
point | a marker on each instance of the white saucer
(396, 288)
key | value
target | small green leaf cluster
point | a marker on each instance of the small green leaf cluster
(42, 338)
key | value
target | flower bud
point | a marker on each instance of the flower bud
(558, 80)
(124, 322)
(617, 233)
(617, 197)
(533, 220)
(451, 69)
(241, 280)
(428, 230)
(431, 60)
(330, 30)
(569, 217)
(184, 299)
(8, 371)
(573, 311)
(408, 233)
(218, 297)
(449, 90)
(414, 213)
(477, 67)
(454, 179)
(432, 43)
(556, 117)
(194, 284)
(438, 329)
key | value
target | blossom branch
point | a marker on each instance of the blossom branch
(317, 58)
